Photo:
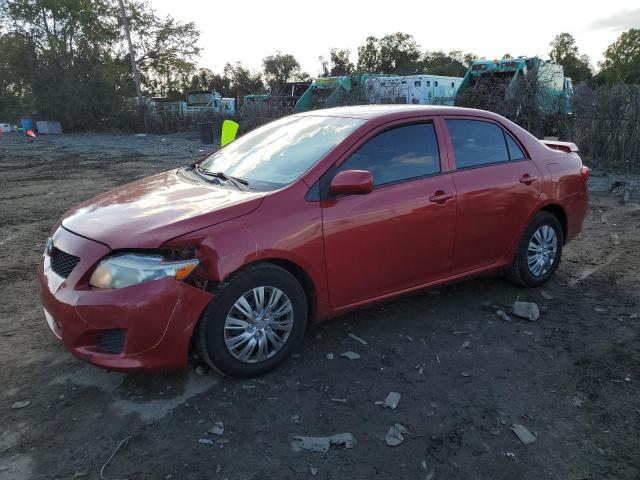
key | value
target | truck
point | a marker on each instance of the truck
(197, 102)
(204, 101)
(514, 87)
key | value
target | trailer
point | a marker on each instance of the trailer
(423, 89)
(413, 89)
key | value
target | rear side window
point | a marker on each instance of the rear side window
(397, 154)
(477, 143)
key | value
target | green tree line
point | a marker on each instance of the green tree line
(67, 60)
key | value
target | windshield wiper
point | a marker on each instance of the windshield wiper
(239, 183)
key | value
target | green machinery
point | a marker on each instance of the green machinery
(326, 92)
(508, 86)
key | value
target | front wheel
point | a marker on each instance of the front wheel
(539, 251)
(254, 322)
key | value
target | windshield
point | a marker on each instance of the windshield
(278, 153)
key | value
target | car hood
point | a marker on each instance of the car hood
(151, 211)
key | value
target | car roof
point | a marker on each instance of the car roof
(370, 112)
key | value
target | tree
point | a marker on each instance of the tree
(622, 59)
(565, 52)
(339, 63)
(242, 81)
(68, 59)
(454, 64)
(166, 49)
(397, 53)
(369, 55)
(205, 79)
(281, 68)
(63, 55)
(400, 54)
(15, 62)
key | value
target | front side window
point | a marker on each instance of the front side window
(279, 152)
(397, 154)
(477, 143)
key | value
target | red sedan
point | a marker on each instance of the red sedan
(300, 220)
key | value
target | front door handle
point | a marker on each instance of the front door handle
(441, 197)
(527, 179)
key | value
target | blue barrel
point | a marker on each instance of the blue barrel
(26, 124)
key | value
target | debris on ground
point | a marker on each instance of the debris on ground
(122, 444)
(329, 356)
(626, 195)
(339, 400)
(205, 441)
(350, 355)
(392, 400)
(465, 374)
(466, 344)
(511, 456)
(313, 470)
(528, 310)
(322, 444)
(503, 315)
(358, 339)
(430, 472)
(523, 434)
(21, 404)
(546, 295)
(217, 429)
(199, 370)
(394, 436)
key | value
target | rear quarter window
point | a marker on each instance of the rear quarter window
(515, 152)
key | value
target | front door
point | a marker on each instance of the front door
(401, 234)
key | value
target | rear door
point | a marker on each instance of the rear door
(497, 187)
(401, 234)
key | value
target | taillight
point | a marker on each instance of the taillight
(584, 171)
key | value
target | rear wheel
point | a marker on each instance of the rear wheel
(254, 322)
(539, 251)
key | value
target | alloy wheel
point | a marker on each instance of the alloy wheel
(258, 324)
(542, 251)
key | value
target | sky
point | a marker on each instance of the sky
(249, 31)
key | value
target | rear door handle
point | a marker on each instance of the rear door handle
(527, 179)
(441, 197)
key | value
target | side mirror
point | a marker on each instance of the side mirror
(229, 131)
(351, 182)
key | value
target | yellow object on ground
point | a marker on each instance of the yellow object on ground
(229, 131)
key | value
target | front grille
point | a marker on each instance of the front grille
(112, 341)
(63, 263)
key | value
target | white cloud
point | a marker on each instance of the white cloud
(620, 21)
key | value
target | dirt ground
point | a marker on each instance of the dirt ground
(465, 375)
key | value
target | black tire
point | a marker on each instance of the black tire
(520, 272)
(210, 341)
